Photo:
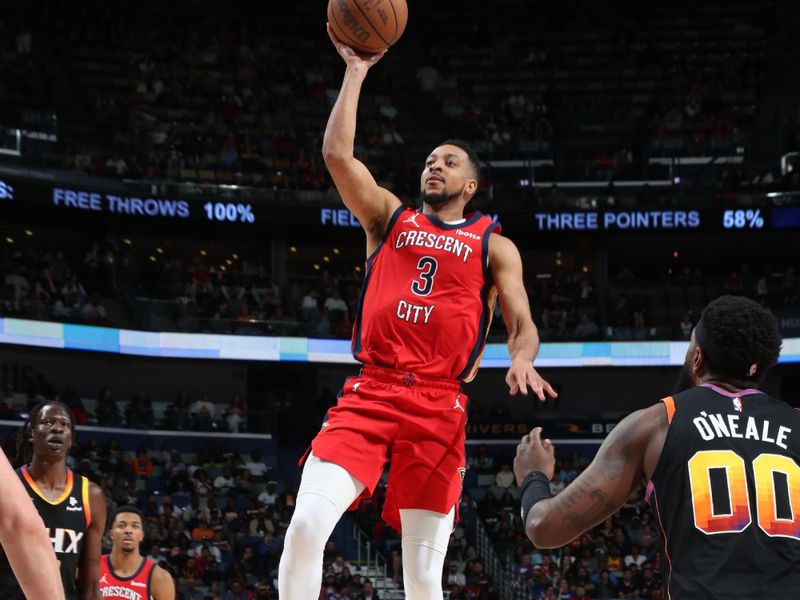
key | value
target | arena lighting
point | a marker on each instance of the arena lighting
(790, 163)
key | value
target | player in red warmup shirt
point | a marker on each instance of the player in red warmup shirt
(125, 574)
(432, 278)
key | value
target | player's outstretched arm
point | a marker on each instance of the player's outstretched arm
(89, 565)
(162, 586)
(371, 204)
(25, 541)
(505, 264)
(627, 455)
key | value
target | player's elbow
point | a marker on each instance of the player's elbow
(335, 155)
(540, 534)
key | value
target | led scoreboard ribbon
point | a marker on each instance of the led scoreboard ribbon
(741, 218)
(229, 211)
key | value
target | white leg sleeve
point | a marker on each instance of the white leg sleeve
(425, 538)
(326, 491)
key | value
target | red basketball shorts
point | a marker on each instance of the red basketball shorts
(416, 423)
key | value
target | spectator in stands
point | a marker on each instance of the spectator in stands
(733, 283)
(635, 557)
(270, 495)
(580, 594)
(236, 414)
(685, 327)
(627, 587)
(605, 587)
(586, 329)
(202, 486)
(106, 409)
(177, 415)
(556, 485)
(505, 477)
(202, 412)
(310, 306)
(478, 581)
(139, 412)
(340, 564)
(143, 464)
(453, 576)
(71, 399)
(369, 592)
(483, 462)
(7, 402)
(73, 294)
(93, 312)
(168, 509)
(256, 466)
(336, 307)
(224, 481)
(202, 530)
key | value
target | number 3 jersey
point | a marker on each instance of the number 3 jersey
(726, 491)
(428, 296)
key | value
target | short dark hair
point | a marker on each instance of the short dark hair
(746, 331)
(471, 154)
(128, 508)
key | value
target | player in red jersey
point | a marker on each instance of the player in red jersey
(125, 574)
(431, 281)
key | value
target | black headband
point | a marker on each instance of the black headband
(720, 359)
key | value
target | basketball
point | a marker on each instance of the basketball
(368, 26)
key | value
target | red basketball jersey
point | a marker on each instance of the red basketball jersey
(135, 587)
(428, 296)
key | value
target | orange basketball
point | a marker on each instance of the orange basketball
(368, 26)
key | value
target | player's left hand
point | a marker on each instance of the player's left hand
(533, 454)
(521, 375)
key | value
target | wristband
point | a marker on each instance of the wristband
(535, 488)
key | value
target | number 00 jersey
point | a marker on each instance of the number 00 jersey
(67, 518)
(428, 296)
(726, 491)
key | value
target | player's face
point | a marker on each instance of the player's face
(446, 176)
(127, 532)
(52, 432)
